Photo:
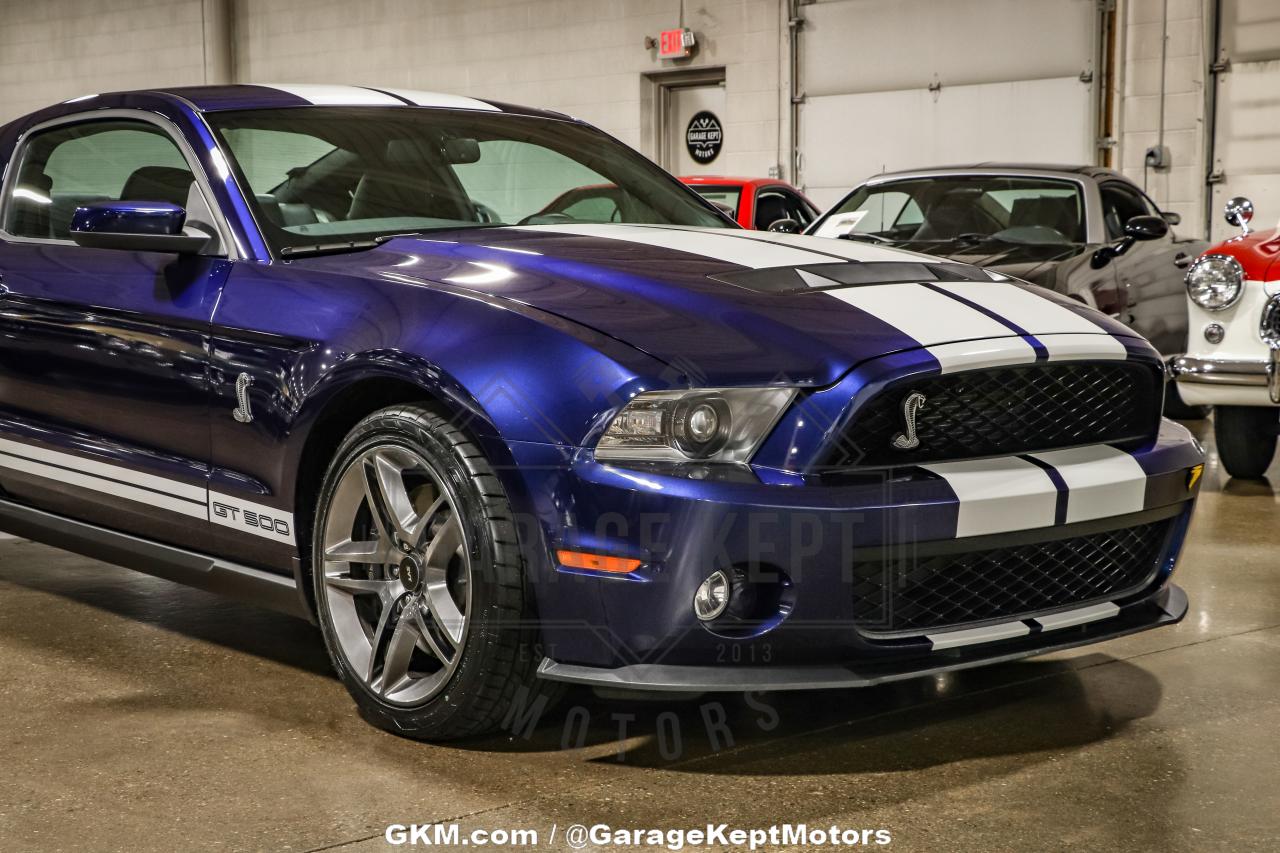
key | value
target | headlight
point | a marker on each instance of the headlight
(1215, 282)
(718, 425)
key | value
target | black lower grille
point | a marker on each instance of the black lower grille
(948, 590)
(1004, 411)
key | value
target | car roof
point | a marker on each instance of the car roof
(1000, 168)
(255, 96)
(726, 179)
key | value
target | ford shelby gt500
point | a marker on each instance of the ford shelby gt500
(320, 348)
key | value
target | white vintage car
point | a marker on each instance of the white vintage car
(1233, 348)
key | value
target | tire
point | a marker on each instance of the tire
(1246, 437)
(1176, 408)
(385, 579)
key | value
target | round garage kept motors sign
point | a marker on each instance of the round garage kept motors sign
(704, 137)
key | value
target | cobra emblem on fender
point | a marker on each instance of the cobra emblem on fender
(907, 439)
(242, 413)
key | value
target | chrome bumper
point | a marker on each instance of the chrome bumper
(1210, 371)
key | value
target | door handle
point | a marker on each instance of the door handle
(1182, 260)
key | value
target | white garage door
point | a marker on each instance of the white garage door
(1006, 77)
(1246, 146)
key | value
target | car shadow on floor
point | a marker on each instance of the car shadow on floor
(1025, 707)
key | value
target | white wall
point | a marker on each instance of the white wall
(52, 50)
(1182, 187)
(584, 57)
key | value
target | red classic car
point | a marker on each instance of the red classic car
(762, 204)
(1233, 347)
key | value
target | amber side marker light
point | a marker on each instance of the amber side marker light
(597, 562)
(1193, 476)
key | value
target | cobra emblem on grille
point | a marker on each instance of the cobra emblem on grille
(907, 439)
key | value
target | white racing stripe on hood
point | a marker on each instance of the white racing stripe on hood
(917, 311)
(999, 495)
(1102, 481)
(441, 99)
(1039, 316)
(853, 250)
(972, 355)
(338, 96)
(756, 254)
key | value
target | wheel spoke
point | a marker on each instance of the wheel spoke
(358, 552)
(429, 639)
(444, 544)
(444, 612)
(404, 639)
(419, 525)
(386, 624)
(358, 585)
(388, 499)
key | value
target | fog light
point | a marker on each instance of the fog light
(712, 597)
(1213, 333)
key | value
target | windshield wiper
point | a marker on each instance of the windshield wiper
(314, 249)
(864, 235)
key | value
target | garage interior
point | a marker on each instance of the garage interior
(142, 715)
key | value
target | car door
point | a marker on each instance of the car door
(103, 353)
(1149, 273)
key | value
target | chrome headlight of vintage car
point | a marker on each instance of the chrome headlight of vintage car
(710, 425)
(1215, 282)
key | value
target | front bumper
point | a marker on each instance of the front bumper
(640, 628)
(1228, 381)
(1165, 607)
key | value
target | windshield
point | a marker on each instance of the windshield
(968, 208)
(725, 197)
(325, 175)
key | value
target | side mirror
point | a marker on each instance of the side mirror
(1239, 212)
(1146, 228)
(135, 226)
(1171, 217)
(1137, 228)
(785, 226)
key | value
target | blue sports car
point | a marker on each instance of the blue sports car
(323, 349)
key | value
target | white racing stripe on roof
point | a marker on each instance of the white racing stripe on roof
(338, 96)
(917, 311)
(707, 242)
(1102, 481)
(999, 495)
(442, 100)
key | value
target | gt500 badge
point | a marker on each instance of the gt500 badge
(251, 518)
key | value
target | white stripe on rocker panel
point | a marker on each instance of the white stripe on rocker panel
(338, 96)
(706, 242)
(917, 311)
(105, 487)
(441, 99)
(999, 495)
(1101, 481)
(102, 469)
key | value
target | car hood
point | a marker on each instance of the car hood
(727, 306)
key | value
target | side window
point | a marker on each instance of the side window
(771, 205)
(72, 165)
(1120, 204)
(594, 208)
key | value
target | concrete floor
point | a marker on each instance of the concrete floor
(141, 716)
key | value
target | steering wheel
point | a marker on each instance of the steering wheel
(546, 219)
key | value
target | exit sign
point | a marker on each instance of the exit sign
(675, 44)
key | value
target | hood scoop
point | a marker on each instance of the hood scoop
(849, 274)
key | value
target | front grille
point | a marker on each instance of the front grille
(1004, 411)
(919, 593)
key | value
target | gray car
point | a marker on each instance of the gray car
(1084, 231)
